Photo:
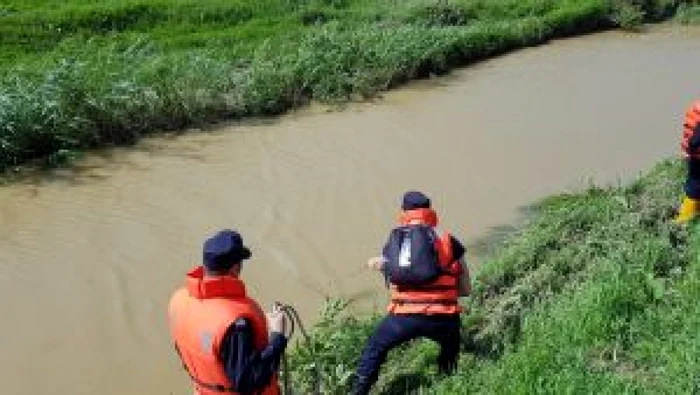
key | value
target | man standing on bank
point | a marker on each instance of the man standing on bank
(427, 276)
(690, 145)
(220, 334)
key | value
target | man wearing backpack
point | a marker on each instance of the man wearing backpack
(427, 276)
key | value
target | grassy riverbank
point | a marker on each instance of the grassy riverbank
(597, 294)
(78, 75)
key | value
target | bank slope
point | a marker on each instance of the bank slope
(77, 76)
(596, 294)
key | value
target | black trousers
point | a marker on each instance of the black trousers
(692, 183)
(396, 329)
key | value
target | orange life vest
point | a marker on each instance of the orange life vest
(691, 125)
(200, 313)
(440, 296)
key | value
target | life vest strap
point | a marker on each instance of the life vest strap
(446, 302)
(211, 387)
(428, 287)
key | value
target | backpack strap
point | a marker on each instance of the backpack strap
(443, 246)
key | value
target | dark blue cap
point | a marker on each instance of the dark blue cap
(413, 200)
(223, 250)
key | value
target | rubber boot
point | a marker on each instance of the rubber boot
(690, 208)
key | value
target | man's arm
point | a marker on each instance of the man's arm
(694, 141)
(247, 369)
(458, 252)
(465, 281)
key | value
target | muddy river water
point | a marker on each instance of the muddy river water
(88, 258)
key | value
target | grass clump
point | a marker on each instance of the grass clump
(628, 15)
(689, 14)
(441, 14)
(84, 75)
(596, 294)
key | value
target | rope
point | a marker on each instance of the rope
(294, 322)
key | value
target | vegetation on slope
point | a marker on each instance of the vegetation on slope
(596, 294)
(79, 75)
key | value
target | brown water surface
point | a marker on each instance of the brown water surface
(89, 259)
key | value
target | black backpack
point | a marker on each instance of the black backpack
(411, 257)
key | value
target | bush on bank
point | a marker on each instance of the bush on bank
(689, 14)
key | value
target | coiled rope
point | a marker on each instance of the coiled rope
(295, 321)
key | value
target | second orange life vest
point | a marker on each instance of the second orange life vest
(440, 296)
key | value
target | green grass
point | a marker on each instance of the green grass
(596, 294)
(85, 74)
(689, 14)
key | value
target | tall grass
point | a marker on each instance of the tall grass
(228, 59)
(689, 14)
(597, 294)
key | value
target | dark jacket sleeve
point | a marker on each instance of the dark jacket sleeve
(248, 369)
(694, 141)
(458, 249)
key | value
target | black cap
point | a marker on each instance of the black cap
(413, 200)
(224, 249)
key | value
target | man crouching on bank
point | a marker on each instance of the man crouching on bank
(427, 276)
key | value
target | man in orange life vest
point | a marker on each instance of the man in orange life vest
(430, 311)
(220, 334)
(690, 145)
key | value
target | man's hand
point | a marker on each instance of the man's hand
(376, 263)
(276, 320)
(465, 282)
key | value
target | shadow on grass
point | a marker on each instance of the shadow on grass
(485, 247)
(407, 383)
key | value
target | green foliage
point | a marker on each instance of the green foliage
(440, 15)
(689, 14)
(628, 15)
(631, 14)
(89, 74)
(333, 351)
(596, 294)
